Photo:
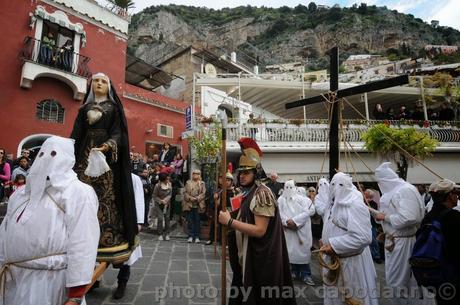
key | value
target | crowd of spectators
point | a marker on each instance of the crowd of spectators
(444, 113)
(13, 173)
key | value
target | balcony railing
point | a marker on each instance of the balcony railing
(58, 58)
(444, 132)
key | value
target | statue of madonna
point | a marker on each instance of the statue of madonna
(101, 126)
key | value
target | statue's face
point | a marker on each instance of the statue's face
(100, 86)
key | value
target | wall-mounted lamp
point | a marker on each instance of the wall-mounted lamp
(147, 131)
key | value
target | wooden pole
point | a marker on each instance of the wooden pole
(422, 93)
(334, 129)
(223, 206)
(216, 223)
(366, 104)
(98, 271)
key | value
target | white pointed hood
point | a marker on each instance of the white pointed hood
(322, 197)
(290, 190)
(52, 167)
(343, 191)
(389, 183)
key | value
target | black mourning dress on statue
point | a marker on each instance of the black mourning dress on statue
(100, 123)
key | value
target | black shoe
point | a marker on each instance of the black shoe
(120, 292)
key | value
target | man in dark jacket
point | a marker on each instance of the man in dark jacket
(274, 185)
(148, 190)
(445, 196)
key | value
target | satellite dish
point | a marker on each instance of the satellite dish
(210, 70)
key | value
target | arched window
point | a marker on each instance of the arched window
(51, 111)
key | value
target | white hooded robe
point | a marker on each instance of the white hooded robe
(50, 234)
(347, 229)
(404, 210)
(298, 208)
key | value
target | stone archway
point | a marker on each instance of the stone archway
(32, 143)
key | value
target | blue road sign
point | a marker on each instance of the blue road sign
(188, 118)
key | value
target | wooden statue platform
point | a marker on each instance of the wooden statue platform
(113, 255)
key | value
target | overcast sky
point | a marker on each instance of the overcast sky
(446, 11)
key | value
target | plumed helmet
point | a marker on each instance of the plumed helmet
(251, 157)
(251, 154)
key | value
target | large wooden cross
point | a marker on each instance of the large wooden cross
(334, 86)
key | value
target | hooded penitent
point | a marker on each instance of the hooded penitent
(98, 123)
(389, 183)
(343, 191)
(290, 190)
(53, 165)
(50, 234)
(294, 205)
(302, 191)
(322, 200)
(347, 229)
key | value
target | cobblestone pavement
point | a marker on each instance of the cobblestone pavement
(190, 274)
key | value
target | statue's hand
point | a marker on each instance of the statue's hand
(103, 148)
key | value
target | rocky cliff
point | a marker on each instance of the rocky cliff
(285, 34)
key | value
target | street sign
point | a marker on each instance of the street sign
(188, 118)
(187, 134)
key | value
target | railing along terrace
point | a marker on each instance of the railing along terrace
(318, 130)
(278, 77)
(63, 58)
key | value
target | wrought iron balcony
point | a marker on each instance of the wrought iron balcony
(318, 131)
(43, 59)
(58, 58)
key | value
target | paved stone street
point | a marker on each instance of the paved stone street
(189, 272)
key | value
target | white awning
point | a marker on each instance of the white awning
(273, 94)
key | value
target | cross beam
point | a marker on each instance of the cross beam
(334, 86)
(371, 86)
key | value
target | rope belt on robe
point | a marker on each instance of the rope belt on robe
(5, 270)
(392, 239)
(332, 276)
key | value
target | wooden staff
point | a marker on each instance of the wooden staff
(98, 271)
(223, 206)
(216, 215)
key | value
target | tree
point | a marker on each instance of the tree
(386, 142)
(206, 145)
(444, 85)
(362, 9)
(122, 6)
(312, 7)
